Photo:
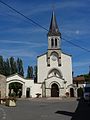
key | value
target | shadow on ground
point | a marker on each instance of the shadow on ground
(82, 111)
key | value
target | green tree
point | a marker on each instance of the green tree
(13, 66)
(35, 74)
(20, 70)
(30, 72)
(87, 78)
(1, 65)
(6, 68)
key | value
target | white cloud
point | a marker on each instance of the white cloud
(17, 53)
(81, 64)
(77, 32)
(30, 9)
(31, 44)
(23, 30)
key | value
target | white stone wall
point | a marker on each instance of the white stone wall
(34, 88)
(65, 68)
(37, 88)
(60, 84)
(26, 83)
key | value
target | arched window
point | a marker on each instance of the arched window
(55, 42)
(52, 42)
(55, 72)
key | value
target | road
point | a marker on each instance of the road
(42, 109)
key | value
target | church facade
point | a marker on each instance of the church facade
(54, 77)
(54, 67)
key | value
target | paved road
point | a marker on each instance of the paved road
(41, 109)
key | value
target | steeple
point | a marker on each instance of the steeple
(54, 41)
(53, 29)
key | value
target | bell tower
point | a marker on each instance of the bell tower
(54, 41)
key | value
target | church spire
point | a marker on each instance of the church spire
(53, 29)
(54, 41)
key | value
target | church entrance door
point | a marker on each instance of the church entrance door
(54, 90)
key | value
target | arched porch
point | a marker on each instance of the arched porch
(54, 90)
(15, 86)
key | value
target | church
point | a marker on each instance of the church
(54, 76)
(54, 67)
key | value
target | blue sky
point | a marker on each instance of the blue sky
(21, 38)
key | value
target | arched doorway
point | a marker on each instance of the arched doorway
(71, 92)
(54, 90)
(15, 89)
(80, 92)
(28, 92)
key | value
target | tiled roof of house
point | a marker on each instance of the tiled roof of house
(79, 78)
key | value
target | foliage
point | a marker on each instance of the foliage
(87, 76)
(10, 66)
(67, 94)
(80, 92)
(13, 67)
(7, 67)
(30, 72)
(1, 65)
(35, 74)
(20, 70)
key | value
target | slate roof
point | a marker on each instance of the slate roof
(53, 29)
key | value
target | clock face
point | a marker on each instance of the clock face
(54, 57)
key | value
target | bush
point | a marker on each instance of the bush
(67, 94)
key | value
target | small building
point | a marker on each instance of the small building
(2, 86)
(79, 83)
(27, 86)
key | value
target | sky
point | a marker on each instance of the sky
(21, 38)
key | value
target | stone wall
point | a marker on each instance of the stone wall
(2, 86)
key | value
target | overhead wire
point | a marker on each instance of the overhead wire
(23, 15)
(83, 48)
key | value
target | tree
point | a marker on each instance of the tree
(1, 65)
(6, 68)
(87, 78)
(20, 70)
(30, 72)
(13, 67)
(35, 74)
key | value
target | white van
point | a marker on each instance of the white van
(87, 92)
